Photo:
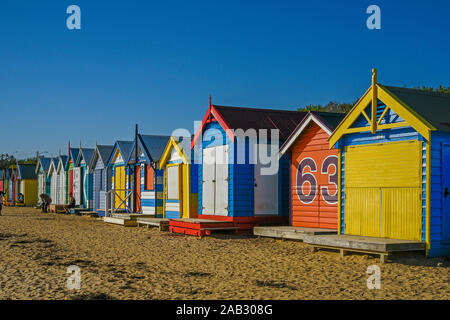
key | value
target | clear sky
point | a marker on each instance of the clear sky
(156, 62)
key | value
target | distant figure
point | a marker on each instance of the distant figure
(1, 202)
(46, 200)
(20, 198)
(71, 203)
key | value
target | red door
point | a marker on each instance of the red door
(71, 182)
(137, 180)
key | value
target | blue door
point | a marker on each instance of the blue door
(446, 192)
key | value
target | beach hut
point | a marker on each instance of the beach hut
(72, 179)
(180, 179)
(235, 184)
(82, 165)
(62, 174)
(26, 184)
(313, 172)
(101, 181)
(148, 177)
(44, 182)
(394, 150)
(120, 176)
(53, 177)
(2, 180)
(10, 184)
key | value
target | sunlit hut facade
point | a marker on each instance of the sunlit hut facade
(148, 178)
(394, 150)
(44, 182)
(26, 184)
(237, 191)
(313, 172)
(85, 177)
(61, 176)
(101, 177)
(69, 166)
(120, 174)
(180, 179)
(53, 176)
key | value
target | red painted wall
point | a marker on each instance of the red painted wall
(314, 179)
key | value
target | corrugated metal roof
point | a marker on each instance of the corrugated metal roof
(87, 154)
(154, 146)
(104, 152)
(63, 160)
(125, 148)
(45, 163)
(432, 106)
(252, 118)
(27, 171)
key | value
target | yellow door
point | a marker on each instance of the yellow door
(383, 190)
(119, 185)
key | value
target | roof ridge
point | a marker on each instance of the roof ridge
(257, 109)
(420, 91)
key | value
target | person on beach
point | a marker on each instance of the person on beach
(20, 198)
(46, 201)
(71, 203)
(1, 202)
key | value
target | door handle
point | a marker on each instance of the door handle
(446, 193)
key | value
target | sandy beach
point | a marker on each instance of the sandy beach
(140, 263)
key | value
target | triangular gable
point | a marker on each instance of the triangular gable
(371, 97)
(52, 167)
(150, 147)
(120, 152)
(86, 155)
(212, 115)
(102, 153)
(310, 118)
(73, 155)
(62, 163)
(174, 146)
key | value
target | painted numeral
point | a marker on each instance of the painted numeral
(332, 179)
(308, 177)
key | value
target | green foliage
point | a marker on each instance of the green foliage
(6, 160)
(332, 106)
(440, 89)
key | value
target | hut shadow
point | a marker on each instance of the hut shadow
(417, 259)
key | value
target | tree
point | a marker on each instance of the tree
(6, 160)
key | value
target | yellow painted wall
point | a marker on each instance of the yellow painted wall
(30, 192)
(383, 189)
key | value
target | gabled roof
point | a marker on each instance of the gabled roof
(27, 171)
(124, 147)
(86, 154)
(152, 146)
(101, 152)
(73, 155)
(62, 160)
(432, 106)
(175, 142)
(44, 163)
(328, 121)
(53, 165)
(423, 111)
(233, 118)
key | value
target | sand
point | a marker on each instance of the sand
(141, 263)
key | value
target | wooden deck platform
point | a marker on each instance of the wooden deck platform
(120, 221)
(161, 223)
(371, 245)
(132, 216)
(289, 232)
(200, 227)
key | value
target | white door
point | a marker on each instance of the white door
(221, 189)
(266, 190)
(76, 185)
(208, 178)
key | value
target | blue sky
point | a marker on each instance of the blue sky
(156, 62)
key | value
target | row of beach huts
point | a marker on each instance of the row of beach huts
(373, 180)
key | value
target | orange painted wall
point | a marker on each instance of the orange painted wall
(314, 187)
